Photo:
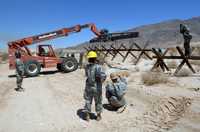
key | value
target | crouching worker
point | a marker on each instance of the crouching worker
(93, 89)
(115, 92)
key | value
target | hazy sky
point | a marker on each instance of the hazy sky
(22, 18)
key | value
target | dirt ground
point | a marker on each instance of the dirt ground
(53, 102)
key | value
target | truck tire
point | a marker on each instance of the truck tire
(59, 67)
(32, 68)
(69, 64)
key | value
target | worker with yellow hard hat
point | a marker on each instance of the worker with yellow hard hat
(92, 54)
(93, 88)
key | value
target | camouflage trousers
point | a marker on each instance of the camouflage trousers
(117, 103)
(89, 95)
(114, 101)
(19, 79)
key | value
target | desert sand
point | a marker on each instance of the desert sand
(52, 102)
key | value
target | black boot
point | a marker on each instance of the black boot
(19, 89)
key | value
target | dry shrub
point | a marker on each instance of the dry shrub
(172, 64)
(184, 73)
(151, 78)
(196, 51)
(173, 52)
(4, 56)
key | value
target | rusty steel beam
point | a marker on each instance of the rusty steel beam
(185, 60)
(180, 57)
(160, 62)
(128, 52)
(142, 52)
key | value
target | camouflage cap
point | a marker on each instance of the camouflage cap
(113, 76)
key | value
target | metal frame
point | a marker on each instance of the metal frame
(114, 51)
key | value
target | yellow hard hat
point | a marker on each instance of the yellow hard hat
(92, 54)
(113, 76)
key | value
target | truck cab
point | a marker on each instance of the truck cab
(44, 57)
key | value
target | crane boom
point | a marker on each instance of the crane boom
(52, 35)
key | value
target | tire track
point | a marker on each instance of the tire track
(164, 114)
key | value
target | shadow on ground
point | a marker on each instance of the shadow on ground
(109, 107)
(48, 72)
(41, 73)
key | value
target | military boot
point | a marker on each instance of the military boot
(98, 117)
(19, 89)
(87, 116)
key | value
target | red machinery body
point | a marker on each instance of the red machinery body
(50, 60)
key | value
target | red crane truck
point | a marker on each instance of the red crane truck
(45, 56)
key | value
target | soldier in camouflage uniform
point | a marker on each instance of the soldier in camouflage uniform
(93, 89)
(187, 38)
(19, 70)
(115, 92)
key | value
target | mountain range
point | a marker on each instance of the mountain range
(159, 35)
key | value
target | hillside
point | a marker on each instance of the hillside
(164, 34)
